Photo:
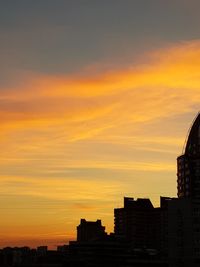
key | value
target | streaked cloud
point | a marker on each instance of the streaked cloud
(174, 71)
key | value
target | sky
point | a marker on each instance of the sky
(96, 100)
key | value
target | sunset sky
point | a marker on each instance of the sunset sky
(96, 99)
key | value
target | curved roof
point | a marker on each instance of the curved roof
(193, 143)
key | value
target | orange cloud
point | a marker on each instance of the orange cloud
(169, 73)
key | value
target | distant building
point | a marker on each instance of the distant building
(111, 251)
(139, 223)
(42, 249)
(62, 248)
(142, 225)
(89, 231)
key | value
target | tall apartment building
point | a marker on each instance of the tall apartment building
(138, 222)
(188, 164)
(142, 225)
(184, 212)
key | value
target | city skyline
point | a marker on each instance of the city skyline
(96, 100)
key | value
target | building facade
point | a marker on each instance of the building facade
(188, 165)
(138, 222)
(184, 212)
(89, 231)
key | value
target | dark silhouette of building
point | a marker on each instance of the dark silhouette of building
(42, 250)
(184, 212)
(139, 223)
(89, 231)
(111, 251)
(189, 164)
(27, 257)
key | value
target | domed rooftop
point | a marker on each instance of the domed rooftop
(193, 143)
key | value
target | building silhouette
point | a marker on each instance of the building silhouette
(89, 231)
(188, 164)
(184, 212)
(130, 222)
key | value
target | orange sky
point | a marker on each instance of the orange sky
(72, 146)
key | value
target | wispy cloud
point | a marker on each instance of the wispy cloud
(160, 84)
